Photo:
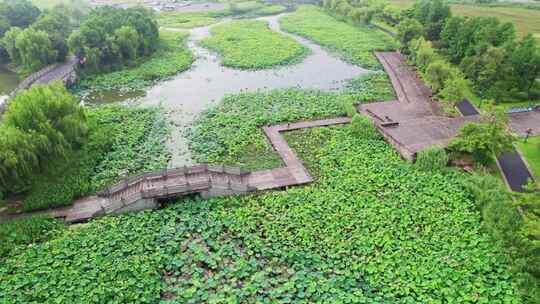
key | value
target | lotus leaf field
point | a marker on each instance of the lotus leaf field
(249, 44)
(355, 43)
(372, 229)
(188, 20)
(230, 132)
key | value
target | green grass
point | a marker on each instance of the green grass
(531, 152)
(525, 20)
(250, 44)
(355, 43)
(171, 58)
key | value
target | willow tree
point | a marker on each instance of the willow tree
(41, 124)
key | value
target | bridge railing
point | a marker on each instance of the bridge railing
(164, 174)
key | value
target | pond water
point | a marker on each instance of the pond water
(207, 82)
(9, 81)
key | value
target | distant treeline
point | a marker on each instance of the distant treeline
(103, 38)
(481, 50)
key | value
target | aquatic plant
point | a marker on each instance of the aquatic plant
(354, 43)
(250, 44)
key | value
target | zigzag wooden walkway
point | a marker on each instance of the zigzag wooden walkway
(141, 191)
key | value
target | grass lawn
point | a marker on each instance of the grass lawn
(525, 20)
(250, 44)
(171, 58)
(531, 152)
(355, 43)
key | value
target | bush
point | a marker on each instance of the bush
(349, 108)
(28, 230)
(485, 139)
(437, 73)
(363, 127)
(431, 159)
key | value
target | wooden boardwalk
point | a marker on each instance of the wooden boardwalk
(142, 191)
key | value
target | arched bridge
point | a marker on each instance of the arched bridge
(64, 72)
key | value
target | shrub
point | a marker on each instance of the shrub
(433, 158)
(348, 107)
(437, 73)
(517, 230)
(26, 231)
(484, 139)
(363, 127)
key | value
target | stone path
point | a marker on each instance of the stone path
(142, 191)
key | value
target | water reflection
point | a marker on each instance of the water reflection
(9, 81)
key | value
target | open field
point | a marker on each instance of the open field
(252, 45)
(525, 20)
(531, 151)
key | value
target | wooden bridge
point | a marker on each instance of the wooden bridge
(144, 191)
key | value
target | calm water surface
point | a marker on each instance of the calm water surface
(207, 82)
(8, 82)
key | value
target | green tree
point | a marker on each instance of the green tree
(9, 44)
(127, 40)
(454, 88)
(20, 13)
(432, 14)
(437, 73)
(484, 139)
(525, 63)
(58, 25)
(35, 49)
(104, 47)
(408, 30)
(489, 72)
(41, 124)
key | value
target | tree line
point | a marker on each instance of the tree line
(103, 39)
(360, 11)
(453, 50)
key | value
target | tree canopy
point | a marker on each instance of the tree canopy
(40, 124)
(111, 37)
(484, 139)
(20, 13)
